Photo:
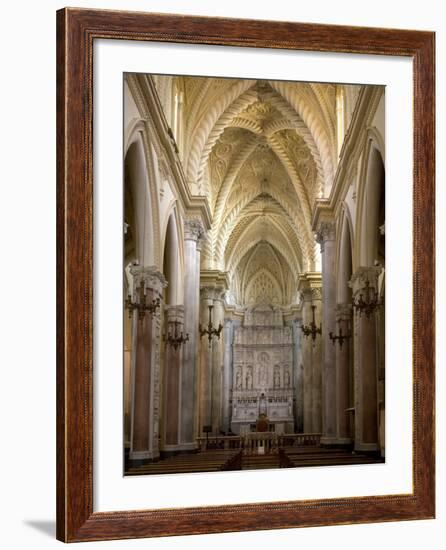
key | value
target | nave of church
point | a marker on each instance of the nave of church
(254, 260)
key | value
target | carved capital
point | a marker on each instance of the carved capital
(212, 293)
(201, 240)
(193, 229)
(174, 313)
(149, 276)
(362, 275)
(325, 232)
(316, 293)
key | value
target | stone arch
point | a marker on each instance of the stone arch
(171, 261)
(137, 134)
(235, 258)
(137, 185)
(306, 242)
(263, 288)
(371, 193)
(344, 262)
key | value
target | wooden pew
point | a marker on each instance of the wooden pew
(210, 461)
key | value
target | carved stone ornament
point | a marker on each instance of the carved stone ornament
(362, 275)
(212, 293)
(149, 276)
(316, 293)
(174, 313)
(193, 229)
(326, 232)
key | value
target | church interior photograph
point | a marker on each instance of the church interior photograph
(253, 274)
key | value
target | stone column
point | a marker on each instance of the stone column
(343, 382)
(193, 231)
(205, 399)
(298, 374)
(307, 364)
(326, 237)
(217, 363)
(145, 368)
(228, 335)
(365, 365)
(172, 382)
(197, 428)
(316, 361)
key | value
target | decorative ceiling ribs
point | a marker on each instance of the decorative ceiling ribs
(263, 152)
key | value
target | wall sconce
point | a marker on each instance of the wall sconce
(312, 329)
(141, 304)
(210, 330)
(339, 337)
(367, 301)
(175, 340)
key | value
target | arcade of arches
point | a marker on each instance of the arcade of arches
(265, 201)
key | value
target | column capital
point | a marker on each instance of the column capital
(325, 231)
(200, 241)
(316, 293)
(148, 276)
(307, 282)
(193, 229)
(212, 293)
(362, 275)
(174, 313)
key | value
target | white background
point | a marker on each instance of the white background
(28, 276)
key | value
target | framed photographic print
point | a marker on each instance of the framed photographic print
(245, 275)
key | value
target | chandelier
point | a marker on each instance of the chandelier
(341, 337)
(367, 301)
(312, 329)
(210, 330)
(141, 304)
(176, 339)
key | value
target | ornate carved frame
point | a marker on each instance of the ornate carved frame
(76, 31)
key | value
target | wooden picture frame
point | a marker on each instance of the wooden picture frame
(76, 31)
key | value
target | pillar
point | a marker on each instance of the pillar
(307, 404)
(297, 375)
(326, 238)
(173, 401)
(193, 231)
(228, 336)
(212, 356)
(145, 369)
(205, 400)
(217, 364)
(343, 376)
(316, 360)
(365, 365)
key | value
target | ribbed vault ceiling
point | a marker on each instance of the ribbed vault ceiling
(262, 152)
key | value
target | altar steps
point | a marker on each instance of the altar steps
(260, 462)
